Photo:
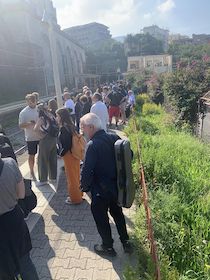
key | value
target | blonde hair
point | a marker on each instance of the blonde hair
(31, 97)
(36, 94)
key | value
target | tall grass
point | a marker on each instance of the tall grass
(177, 169)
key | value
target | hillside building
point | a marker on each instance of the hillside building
(158, 33)
(89, 36)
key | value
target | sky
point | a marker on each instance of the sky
(130, 16)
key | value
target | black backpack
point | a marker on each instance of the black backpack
(28, 203)
(6, 149)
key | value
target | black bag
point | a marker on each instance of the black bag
(6, 149)
(53, 129)
(1, 165)
(28, 203)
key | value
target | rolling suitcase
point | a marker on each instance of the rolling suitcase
(125, 182)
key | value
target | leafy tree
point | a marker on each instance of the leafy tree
(142, 44)
(106, 60)
(185, 86)
(188, 53)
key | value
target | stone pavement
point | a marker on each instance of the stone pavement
(63, 237)
(63, 240)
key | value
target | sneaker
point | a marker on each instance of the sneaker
(33, 177)
(128, 247)
(40, 184)
(68, 201)
(102, 251)
(53, 181)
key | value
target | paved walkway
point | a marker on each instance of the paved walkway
(63, 237)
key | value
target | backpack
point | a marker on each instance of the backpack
(78, 146)
(6, 149)
(53, 128)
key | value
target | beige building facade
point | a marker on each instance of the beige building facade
(155, 63)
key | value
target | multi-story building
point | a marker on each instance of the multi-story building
(25, 53)
(158, 33)
(174, 38)
(199, 39)
(89, 36)
(153, 63)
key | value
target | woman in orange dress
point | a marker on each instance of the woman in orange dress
(71, 164)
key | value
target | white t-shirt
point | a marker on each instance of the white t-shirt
(29, 114)
(100, 109)
(131, 99)
(70, 105)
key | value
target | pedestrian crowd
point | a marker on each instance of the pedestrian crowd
(77, 133)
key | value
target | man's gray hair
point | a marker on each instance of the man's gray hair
(91, 119)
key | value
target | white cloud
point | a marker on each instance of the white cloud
(147, 16)
(166, 6)
(120, 15)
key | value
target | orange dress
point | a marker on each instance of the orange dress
(72, 170)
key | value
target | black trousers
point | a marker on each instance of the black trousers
(100, 207)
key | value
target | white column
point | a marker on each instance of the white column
(56, 75)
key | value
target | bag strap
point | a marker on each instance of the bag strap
(1, 165)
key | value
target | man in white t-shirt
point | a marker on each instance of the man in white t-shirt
(100, 109)
(69, 104)
(27, 119)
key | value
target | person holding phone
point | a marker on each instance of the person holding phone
(27, 120)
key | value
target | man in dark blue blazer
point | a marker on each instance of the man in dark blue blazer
(99, 176)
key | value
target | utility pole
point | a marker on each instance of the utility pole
(56, 74)
(53, 49)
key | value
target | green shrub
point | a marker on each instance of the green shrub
(151, 108)
(141, 99)
(148, 127)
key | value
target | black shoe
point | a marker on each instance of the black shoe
(128, 247)
(102, 251)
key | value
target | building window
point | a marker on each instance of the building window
(158, 64)
(149, 63)
(132, 66)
